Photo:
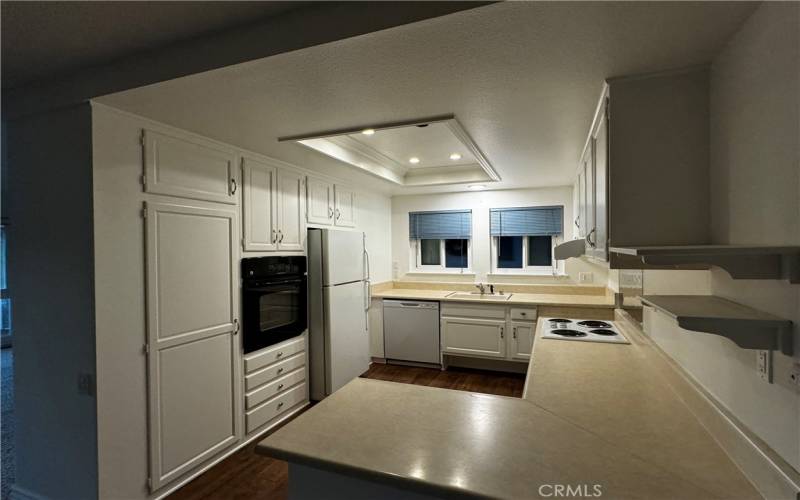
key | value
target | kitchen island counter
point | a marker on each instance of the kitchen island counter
(627, 433)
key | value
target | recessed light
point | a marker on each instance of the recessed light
(414, 160)
(476, 187)
(368, 131)
(455, 156)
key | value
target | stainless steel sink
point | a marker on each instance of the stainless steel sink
(483, 297)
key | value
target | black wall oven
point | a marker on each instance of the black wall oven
(274, 300)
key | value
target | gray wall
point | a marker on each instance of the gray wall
(51, 281)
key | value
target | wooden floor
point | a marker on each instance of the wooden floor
(245, 475)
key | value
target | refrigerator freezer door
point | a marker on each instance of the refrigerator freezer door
(346, 340)
(343, 257)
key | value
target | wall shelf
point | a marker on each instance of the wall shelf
(740, 261)
(746, 327)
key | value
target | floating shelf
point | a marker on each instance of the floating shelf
(568, 249)
(745, 326)
(740, 261)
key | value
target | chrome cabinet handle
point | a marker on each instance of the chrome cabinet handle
(235, 326)
(338, 214)
(330, 213)
(514, 332)
(501, 332)
(274, 236)
(280, 232)
(589, 238)
(578, 221)
(233, 186)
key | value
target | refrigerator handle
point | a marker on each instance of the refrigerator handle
(367, 280)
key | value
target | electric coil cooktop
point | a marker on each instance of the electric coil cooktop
(586, 330)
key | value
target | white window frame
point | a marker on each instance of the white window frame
(553, 269)
(416, 258)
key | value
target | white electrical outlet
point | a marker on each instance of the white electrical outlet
(585, 277)
(764, 365)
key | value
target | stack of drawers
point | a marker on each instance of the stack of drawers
(275, 383)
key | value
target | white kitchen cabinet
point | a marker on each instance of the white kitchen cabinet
(521, 342)
(344, 206)
(259, 206)
(188, 168)
(272, 207)
(291, 213)
(192, 344)
(474, 337)
(319, 200)
(599, 240)
(487, 331)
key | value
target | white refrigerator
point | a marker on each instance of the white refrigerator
(339, 298)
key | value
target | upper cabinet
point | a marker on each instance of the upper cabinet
(643, 178)
(272, 207)
(330, 204)
(320, 201)
(344, 207)
(188, 168)
(259, 189)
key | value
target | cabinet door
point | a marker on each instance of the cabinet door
(259, 206)
(291, 217)
(521, 342)
(588, 167)
(192, 321)
(344, 207)
(195, 169)
(319, 201)
(474, 337)
(600, 236)
(582, 201)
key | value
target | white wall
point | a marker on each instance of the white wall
(480, 202)
(120, 297)
(755, 199)
(51, 284)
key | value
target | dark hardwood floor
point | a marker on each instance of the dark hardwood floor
(245, 475)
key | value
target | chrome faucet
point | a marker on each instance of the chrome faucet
(480, 287)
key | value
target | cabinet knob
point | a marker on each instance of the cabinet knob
(524, 314)
(280, 353)
(280, 404)
(280, 386)
(280, 370)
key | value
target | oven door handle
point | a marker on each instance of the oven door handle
(269, 288)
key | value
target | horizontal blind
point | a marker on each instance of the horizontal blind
(526, 221)
(450, 224)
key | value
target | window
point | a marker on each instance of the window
(440, 241)
(523, 238)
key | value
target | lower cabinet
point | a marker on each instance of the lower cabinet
(275, 383)
(474, 337)
(487, 331)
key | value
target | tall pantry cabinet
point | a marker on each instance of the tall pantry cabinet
(192, 304)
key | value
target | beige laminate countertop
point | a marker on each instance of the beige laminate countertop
(529, 299)
(592, 414)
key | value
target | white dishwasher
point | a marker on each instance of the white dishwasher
(411, 331)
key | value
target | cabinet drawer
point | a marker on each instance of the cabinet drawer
(275, 387)
(275, 407)
(274, 371)
(524, 314)
(279, 352)
(481, 311)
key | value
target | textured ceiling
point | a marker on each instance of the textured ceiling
(523, 79)
(45, 38)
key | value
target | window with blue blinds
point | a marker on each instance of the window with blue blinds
(450, 224)
(527, 221)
